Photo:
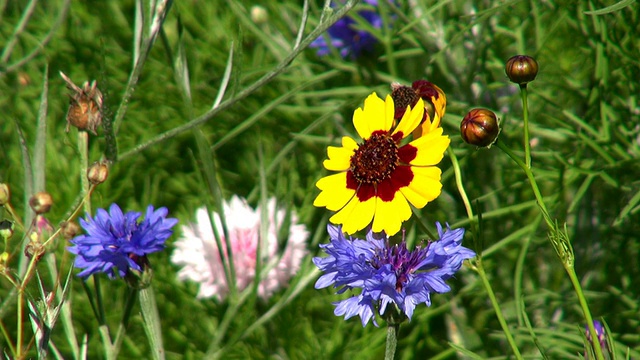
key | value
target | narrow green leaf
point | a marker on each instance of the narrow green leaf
(609, 9)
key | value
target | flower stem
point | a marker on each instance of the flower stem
(525, 114)
(392, 341)
(151, 318)
(559, 241)
(461, 190)
(532, 181)
(496, 307)
(585, 311)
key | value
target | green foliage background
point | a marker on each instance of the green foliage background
(585, 124)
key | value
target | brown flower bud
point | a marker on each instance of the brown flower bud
(97, 173)
(41, 202)
(521, 69)
(480, 127)
(35, 248)
(69, 229)
(85, 106)
(5, 194)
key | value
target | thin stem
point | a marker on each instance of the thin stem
(525, 110)
(532, 181)
(392, 341)
(277, 70)
(461, 190)
(496, 307)
(585, 311)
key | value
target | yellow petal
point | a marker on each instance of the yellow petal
(390, 214)
(376, 115)
(424, 187)
(411, 119)
(340, 157)
(334, 193)
(431, 148)
(356, 215)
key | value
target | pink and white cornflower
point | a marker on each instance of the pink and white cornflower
(388, 274)
(197, 251)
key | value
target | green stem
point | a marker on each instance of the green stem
(585, 311)
(532, 181)
(152, 325)
(277, 70)
(553, 229)
(525, 110)
(496, 307)
(392, 341)
(461, 190)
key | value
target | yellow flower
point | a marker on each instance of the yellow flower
(378, 178)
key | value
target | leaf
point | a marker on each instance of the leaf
(609, 9)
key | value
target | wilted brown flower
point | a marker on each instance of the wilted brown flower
(85, 105)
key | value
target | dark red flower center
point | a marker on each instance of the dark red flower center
(375, 160)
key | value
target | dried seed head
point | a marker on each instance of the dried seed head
(41, 202)
(480, 127)
(97, 173)
(85, 106)
(69, 229)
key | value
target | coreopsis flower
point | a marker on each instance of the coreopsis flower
(378, 177)
(435, 103)
(116, 243)
(197, 250)
(347, 38)
(388, 274)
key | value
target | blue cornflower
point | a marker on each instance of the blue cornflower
(117, 240)
(344, 36)
(600, 335)
(388, 273)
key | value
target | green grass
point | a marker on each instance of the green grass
(585, 126)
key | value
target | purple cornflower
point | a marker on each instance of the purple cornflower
(388, 273)
(117, 240)
(344, 36)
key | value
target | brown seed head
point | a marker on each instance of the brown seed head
(97, 173)
(69, 229)
(85, 105)
(41, 202)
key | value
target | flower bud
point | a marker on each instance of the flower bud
(41, 202)
(35, 248)
(85, 105)
(69, 229)
(259, 14)
(6, 229)
(479, 127)
(521, 69)
(5, 194)
(97, 173)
